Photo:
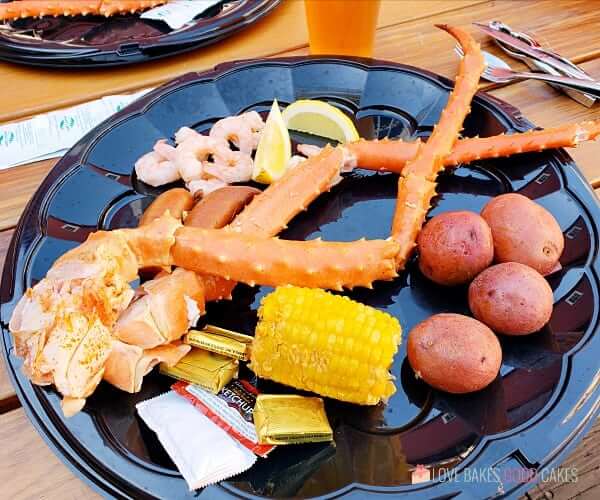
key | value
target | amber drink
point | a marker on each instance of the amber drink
(342, 27)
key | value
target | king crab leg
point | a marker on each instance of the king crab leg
(387, 155)
(270, 261)
(11, 11)
(416, 186)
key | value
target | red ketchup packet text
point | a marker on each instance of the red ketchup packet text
(231, 409)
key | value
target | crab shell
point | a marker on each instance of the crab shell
(39, 8)
(387, 155)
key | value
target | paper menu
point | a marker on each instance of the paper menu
(50, 135)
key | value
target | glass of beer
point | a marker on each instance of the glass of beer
(342, 27)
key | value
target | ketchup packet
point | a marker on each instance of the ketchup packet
(231, 409)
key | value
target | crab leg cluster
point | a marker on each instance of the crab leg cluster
(11, 11)
(268, 261)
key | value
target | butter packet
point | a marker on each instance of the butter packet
(203, 452)
(208, 370)
(290, 419)
(221, 341)
(231, 409)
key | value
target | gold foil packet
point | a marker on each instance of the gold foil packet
(290, 419)
(208, 370)
(222, 341)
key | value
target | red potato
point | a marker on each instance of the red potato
(524, 232)
(511, 298)
(454, 353)
(454, 247)
(219, 208)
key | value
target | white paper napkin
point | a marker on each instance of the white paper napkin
(202, 451)
(50, 135)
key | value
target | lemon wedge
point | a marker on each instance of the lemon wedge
(274, 149)
(319, 118)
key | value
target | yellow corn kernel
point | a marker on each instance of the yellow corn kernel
(316, 341)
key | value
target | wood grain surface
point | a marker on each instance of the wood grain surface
(406, 34)
(17, 184)
(30, 470)
(585, 461)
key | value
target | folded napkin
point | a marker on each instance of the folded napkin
(50, 135)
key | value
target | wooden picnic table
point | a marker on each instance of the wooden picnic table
(405, 34)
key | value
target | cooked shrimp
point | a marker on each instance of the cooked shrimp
(184, 133)
(253, 119)
(157, 167)
(230, 166)
(234, 129)
(164, 149)
(193, 151)
(201, 187)
(256, 123)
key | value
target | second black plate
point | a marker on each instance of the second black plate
(91, 41)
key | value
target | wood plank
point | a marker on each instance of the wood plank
(586, 461)
(8, 398)
(17, 185)
(30, 469)
(35, 90)
(569, 30)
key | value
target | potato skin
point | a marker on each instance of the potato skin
(524, 232)
(454, 247)
(511, 298)
(219, 208)
(454, 353)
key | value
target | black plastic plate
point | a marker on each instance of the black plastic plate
(525, 421)
(92, 41)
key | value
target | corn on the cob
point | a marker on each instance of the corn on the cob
(313, 340)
